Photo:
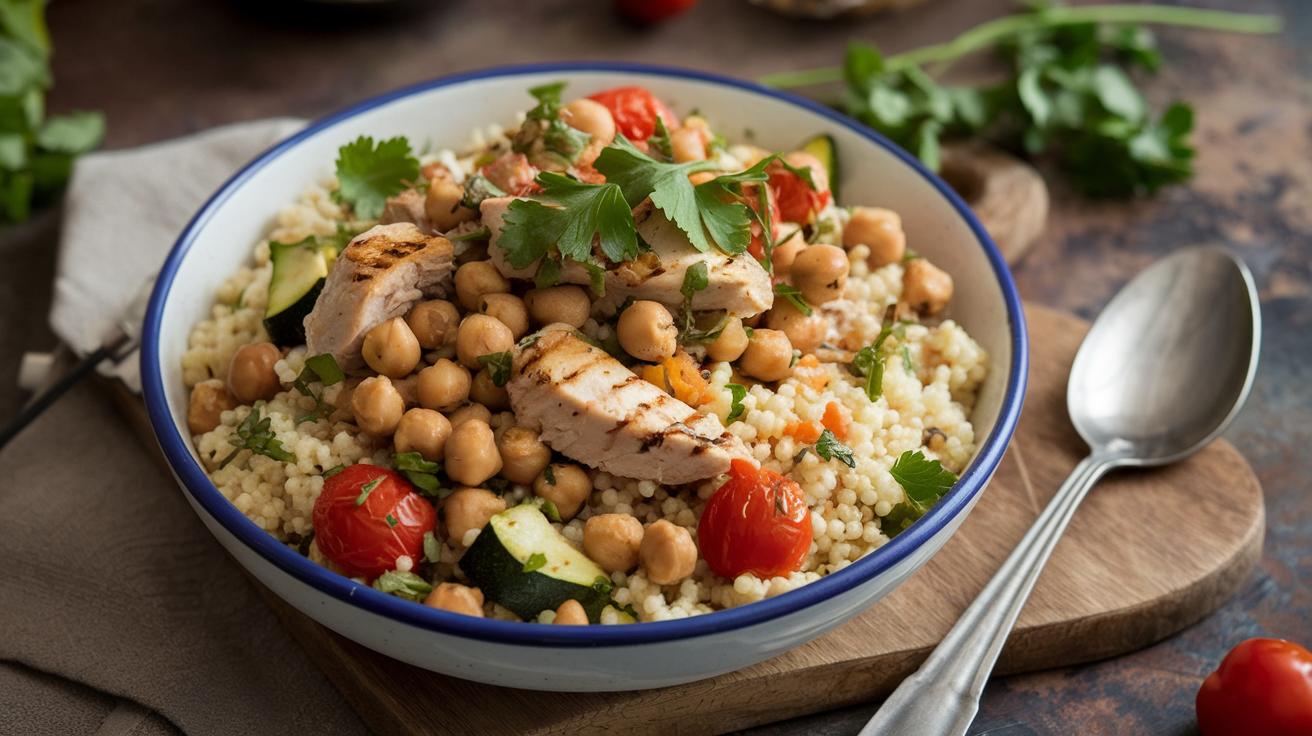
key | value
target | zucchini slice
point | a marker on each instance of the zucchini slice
(822, 147)
(520, 538)
(299, 271)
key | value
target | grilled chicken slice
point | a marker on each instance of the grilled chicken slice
(380, 275)
(739, 285)
(589, 407)
(408, 206)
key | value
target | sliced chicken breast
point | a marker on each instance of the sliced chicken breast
(739, 285)
(379, 275)
(591, 408)
(408, 206)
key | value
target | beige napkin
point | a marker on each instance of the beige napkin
(119, 613)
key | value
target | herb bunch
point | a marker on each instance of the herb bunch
(1069, 93)
(36, 152)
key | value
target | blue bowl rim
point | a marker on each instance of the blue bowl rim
(202, 490)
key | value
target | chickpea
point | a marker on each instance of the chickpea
(688, 144)
(731, 343)
(926, 287)
(571, 613)
(434, 323)
(444, 385)
(456, 598)
(568, 304)
(768, 357)
(592, 118)
(647, 332)
(487, 393)
(467, 412)
(481, 335)
(209, 399)
(880, 230)
(571, 489)
(820, 273)
(378, 406)
(471, 453)
(612, 541)
(523, 455)
(784, 254)
(477, 278)
(469, 508)
(423, 431)
(442, 204)
(667, 553)
(804, 333)
(251, 376)
(507, 308)
(391, 348)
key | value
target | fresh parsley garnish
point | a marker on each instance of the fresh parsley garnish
(696, 278)
(869, 360)
(549, 475)
(659, 140)
(368, 175)
(829, 448)
(560, 141)
(366, 489)
(736, 408)
(256, 434)
(324, 369)
(797, 355)
(477, 189)
(405, 585)
(391, 520)
(536, 561)
(908, 364)
(432, 547)
(421, 473)
(923, 481)
(498, 366)
(334, 470)
(794, 295)
(550, 511)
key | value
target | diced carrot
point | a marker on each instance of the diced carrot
(837, 419)
(655, 375)
(805, 432)
(809, 371)
(685, 378)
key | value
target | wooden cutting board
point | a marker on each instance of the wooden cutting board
(1147, 554)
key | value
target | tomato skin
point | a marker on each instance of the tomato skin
(652, 11)
(1263, 687)
(635, 110)
(756, 522)
(797, 201)
(358, 537)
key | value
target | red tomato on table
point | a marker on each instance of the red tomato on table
(756, 522)
(1262, 688)
(635, 110)
(652, 11)
(366, 535)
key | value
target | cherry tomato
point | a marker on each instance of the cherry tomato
(652, 11)
(635, 110)
(1262, 688)
(365, 536)
(756, 522)
(798, 202)
(512, 174)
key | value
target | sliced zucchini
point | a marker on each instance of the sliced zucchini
(299, 271)
(822, 147)
(525, 565)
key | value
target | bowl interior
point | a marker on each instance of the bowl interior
(443, 114)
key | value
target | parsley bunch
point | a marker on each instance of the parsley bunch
(36, 152)
(1069, 92)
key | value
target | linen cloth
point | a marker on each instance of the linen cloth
(119, 612)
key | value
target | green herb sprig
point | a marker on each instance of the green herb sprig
(869, 361)
(498, 367)
(736, 407)
(405, 585)
(924, 482)
(324, 369)
(367, 174)
(828, 447)
(421, 473)
(255, 434)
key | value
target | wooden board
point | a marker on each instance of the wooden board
(1148, 553)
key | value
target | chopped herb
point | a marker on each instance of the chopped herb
(255, 434)
(480, 234)
(828, 448)
(750, 332)
(560, 141)
(432, 547)
(729, 223)
(536, 561)
(334, 470)
(659, 141)
(794, 295)
(405, 585)
(550, 511)
(696, 279)
(736, 407)
(898, 519)
(550, 272)
(602, 584)
(549, 475)
(630, 610)
(391, 520)
(529, 341)
(368, 175)
(325, 368)
(421, 473)
(498, 366)
(477, 189)
(496, 484)
(869, 361)
(908, 365)
(797, 355)
(366, 489)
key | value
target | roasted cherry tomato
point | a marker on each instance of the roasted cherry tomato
(756, 522)
(635, 110)
(365, 532)
(652, 11)
(1262, 688)
(798, 202)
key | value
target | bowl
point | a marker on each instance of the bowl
(592, 658)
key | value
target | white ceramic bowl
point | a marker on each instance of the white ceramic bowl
(592, 658)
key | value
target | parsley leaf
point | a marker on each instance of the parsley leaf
(640, 176)
(828, 448)
(536, 561)
(325, 368)
(405, 585)
(498, 366)
(477, 189)
(391, 520)
(255, 434)
(421, 473)
(567, 216)
(432, 547)
(736, 408)
(368, 175)
(549, 475)
(924, 481)
(869, 361)
(366, 489)
(334, 470)
(696, 279)
(562, 142)
(794, 295)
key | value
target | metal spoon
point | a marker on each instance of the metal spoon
(1163, 370)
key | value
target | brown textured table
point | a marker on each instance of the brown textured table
(161, 68)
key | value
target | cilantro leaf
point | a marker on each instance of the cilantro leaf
(405, 585)
(659, 140)
(477, 189)
(924, 481)
(794, 295)
(736, 408)
(498, 367)
(368, 175)
(567, 216)
(729, 222)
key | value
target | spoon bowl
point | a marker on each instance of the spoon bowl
(1169, 361)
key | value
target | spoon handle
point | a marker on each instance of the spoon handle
(942, 697)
